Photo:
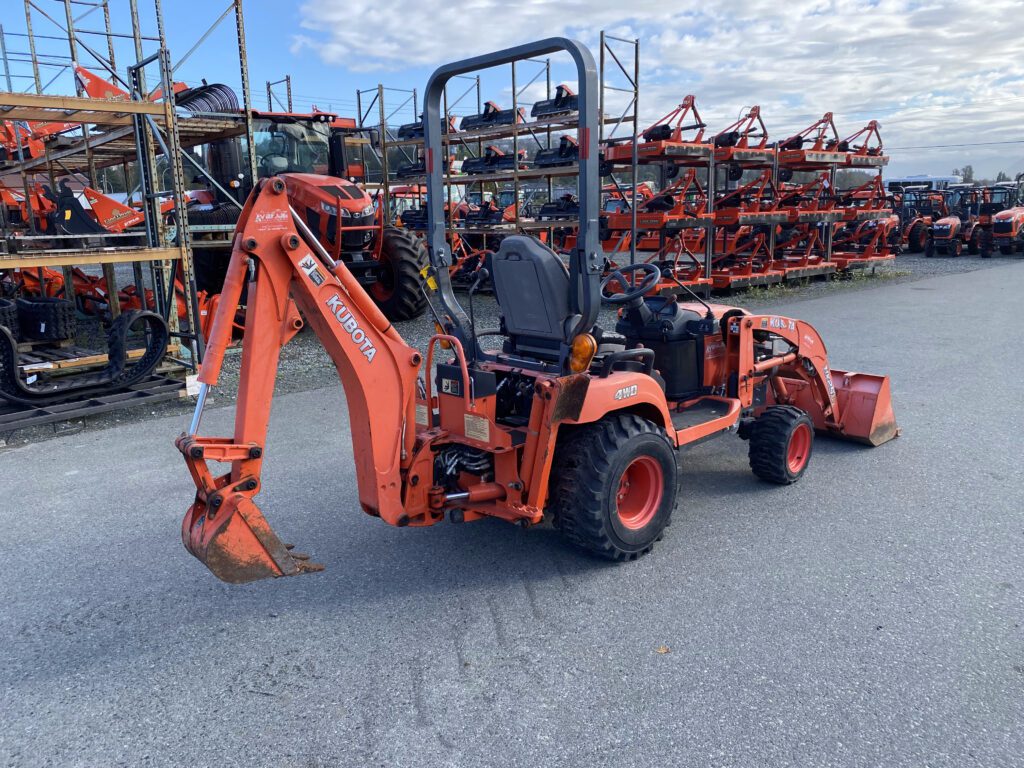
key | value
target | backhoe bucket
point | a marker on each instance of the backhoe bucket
(865, 407)
(237, 544)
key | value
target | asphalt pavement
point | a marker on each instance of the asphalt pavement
(869, 615)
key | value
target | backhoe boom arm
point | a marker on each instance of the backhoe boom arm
(378, 370)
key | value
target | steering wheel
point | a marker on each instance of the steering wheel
(652, 274)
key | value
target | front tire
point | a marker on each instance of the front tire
(613, 486)
(974, 246)
(400, 290)
(917, 238)
(781, 443)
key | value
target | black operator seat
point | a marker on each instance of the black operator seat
(531, 284)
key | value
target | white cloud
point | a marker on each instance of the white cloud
(931, 71)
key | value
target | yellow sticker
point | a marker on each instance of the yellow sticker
(67, 215)
(425, 274)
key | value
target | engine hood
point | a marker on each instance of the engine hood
(330, 192)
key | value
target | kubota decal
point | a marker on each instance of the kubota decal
(782, 323)
(348, 322)
(272, 221)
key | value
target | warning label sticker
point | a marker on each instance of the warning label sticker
(477, 428)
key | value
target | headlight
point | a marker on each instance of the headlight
(368, 210)
(346, 213)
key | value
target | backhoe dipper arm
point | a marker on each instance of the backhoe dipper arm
(224, 528)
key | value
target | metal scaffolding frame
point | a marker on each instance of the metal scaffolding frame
(618, 55)
(129, 135)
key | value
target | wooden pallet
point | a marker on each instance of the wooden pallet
(54, 357)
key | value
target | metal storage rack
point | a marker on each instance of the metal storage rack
(672, 155)
(117, 134)
(541, 131)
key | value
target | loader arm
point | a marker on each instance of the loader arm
(282, 263)
(845, 404)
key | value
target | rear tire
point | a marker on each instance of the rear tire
(47, 319)
(613, 486)
(781, 443)
(400, 290)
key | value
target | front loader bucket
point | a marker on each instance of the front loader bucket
(865, 407)
(237, 543)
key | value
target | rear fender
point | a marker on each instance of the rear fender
(585, 399)
(623, 391)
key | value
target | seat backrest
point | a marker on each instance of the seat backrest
(532, 286)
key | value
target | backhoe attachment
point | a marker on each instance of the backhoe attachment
(285, 267)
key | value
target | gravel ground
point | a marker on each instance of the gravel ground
(305, 366)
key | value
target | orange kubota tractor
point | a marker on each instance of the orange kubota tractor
(565, 421)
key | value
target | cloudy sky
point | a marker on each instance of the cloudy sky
(932, 72)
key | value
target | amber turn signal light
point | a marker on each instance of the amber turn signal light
(584, 347)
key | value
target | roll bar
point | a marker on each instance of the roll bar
(585, 263)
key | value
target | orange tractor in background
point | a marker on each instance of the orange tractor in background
(959, 227)
(561, 419)
(1002, 217)
(918, 208)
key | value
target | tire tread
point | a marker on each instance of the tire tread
(582, 460)
(769, 440)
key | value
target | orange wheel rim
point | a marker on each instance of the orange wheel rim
(639, 493)
(799, 448)
(384, 288)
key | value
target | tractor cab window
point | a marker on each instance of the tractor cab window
(402, 203)
(290, 147)
(1000, 196)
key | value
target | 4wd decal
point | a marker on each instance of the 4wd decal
(630, 391)
(344, 316)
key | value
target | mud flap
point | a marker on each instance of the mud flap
(237, 543)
